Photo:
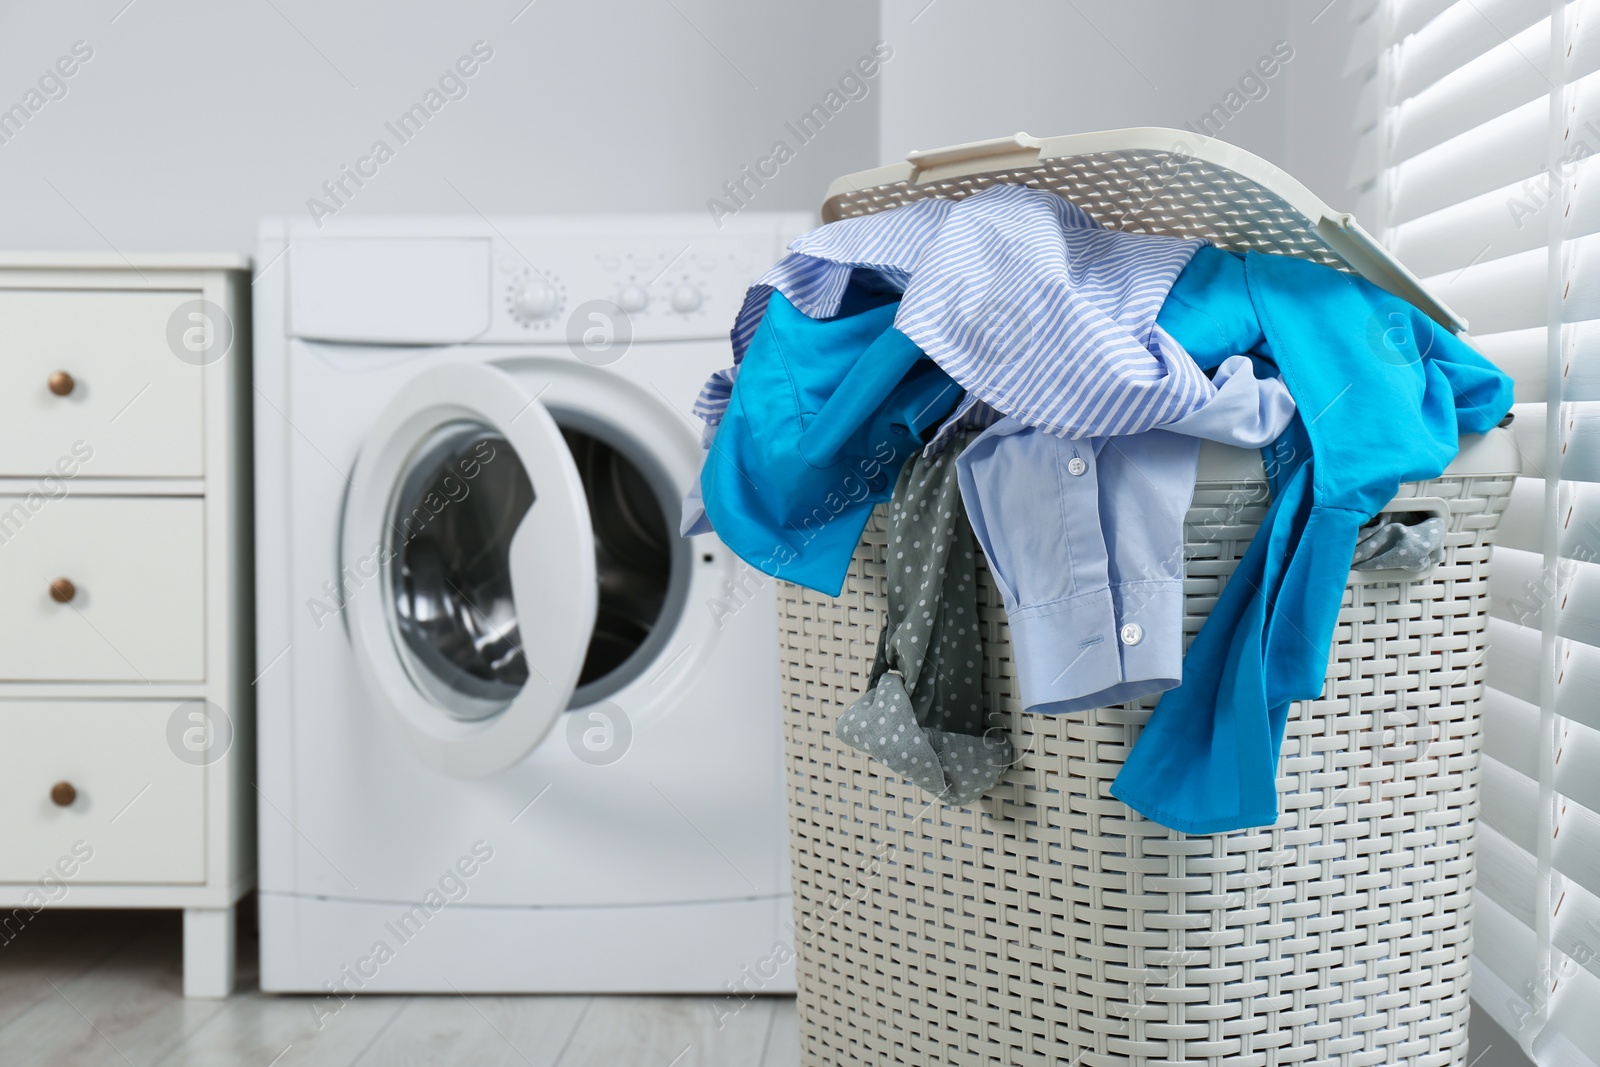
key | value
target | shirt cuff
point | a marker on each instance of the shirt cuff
(1104, 647)
(693, 519)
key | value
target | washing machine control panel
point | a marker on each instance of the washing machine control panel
(553, 288)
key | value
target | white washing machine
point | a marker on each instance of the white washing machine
(515, 735)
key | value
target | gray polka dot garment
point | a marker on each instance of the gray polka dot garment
(1386, 544)
(922, 713)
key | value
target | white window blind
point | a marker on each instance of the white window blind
(1488, 186)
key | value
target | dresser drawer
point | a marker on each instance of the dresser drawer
(93, 371)
(136, 811)
(102, 589)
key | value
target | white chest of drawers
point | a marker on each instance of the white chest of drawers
(126, 640)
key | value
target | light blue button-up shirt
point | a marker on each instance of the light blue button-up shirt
(1085, 540)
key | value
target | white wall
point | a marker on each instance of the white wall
(192, 119)
(966, 70)
(1333, 104)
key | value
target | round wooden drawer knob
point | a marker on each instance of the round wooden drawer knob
(63, 794)
(62, 590)
(61, 383)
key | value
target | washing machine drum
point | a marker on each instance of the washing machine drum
(521, 567)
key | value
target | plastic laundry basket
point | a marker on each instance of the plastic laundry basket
(1050, 924)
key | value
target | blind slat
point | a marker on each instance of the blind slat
(1491, 225)
(1580, 433)
(1581, 301)
(1503, 294)
(1585, 58)
(1514, 669)
(1514, 662)
(1585, 94)
(1584, 176)
(1577, 845)
(1577, 761)
(1522, 524)
(1517, 587)
(1506, 76)
(1507, 874)
(1519, 591)
(1511, 730)
(1412, 15)
(1574, 1030)
(1506, 946)
(1577, 515)
(1579, 617)
(1514, 216)
(1580, 379)
(1578, 685)
(1510, 804)
(1458, 34)
(1521, 354)
(1576, 930)
(1501, 152)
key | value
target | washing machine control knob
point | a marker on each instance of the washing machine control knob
(633, 298)
(536, 299)
(686, 297)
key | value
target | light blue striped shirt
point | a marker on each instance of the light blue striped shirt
(1033, 307)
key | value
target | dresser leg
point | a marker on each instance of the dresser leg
(207, 952)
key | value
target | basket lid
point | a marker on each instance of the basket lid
(1151, 180)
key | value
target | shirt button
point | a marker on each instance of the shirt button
(1132, 633)
(1076, 466)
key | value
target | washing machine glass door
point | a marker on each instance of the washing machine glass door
(468, 528)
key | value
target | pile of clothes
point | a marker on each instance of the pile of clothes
(1014, 378)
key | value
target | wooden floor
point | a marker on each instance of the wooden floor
(86, 989)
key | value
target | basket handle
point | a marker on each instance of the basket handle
(1435, 507)
(1018, 144)
(1362, 251)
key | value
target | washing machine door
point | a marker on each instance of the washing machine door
(467, 532)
